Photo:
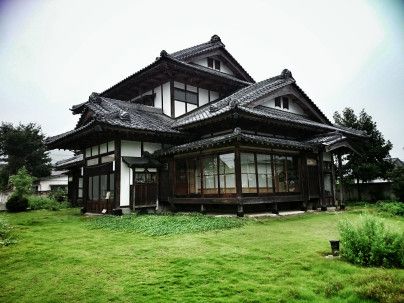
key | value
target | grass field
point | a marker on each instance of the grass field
(63, 257)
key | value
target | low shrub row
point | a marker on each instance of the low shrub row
(370, 243)
(43, 202)
(392, 208)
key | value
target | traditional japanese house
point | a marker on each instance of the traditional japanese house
(193, 130)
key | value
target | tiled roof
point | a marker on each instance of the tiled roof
(76, 160)
(240, 136)
(239, 98)
(123, 114)
(212, 44)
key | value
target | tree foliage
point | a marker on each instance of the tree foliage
(397, 176)
(373, 160)
(22, 145)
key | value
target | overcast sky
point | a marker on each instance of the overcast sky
(53, 54)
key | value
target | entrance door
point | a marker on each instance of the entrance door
(145, 187)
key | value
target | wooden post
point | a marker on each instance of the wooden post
(240, 209)
(117, 173)
(321, 181)
(341, 187)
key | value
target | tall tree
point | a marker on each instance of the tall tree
(373, 160)
(22, 145)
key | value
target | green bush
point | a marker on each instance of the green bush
(370, 243)
(43, 202)
(59, 194)
(17, 203)
(392, 208)
(6, 234)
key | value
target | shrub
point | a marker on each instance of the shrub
(6, 234)
(59, 194)
(17, 203)
(43, 202)
(392, 208)
(22, 182)
(370, 243)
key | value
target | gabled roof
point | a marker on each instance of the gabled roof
(214, 44)
(164, 63)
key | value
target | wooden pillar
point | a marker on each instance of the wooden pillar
(240, 209)
(304, 177)
(341, 187)
(333, 180)
(117, 173)
(321, 181)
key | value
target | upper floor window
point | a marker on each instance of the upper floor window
(282, 102)
(213, 63)
(185, 96)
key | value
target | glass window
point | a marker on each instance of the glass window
(210, 62)
(96, 187)
(90, 188)
(108, 158)
(278, 102)
(181, 183)
(209, 165)
(179, 94)
(94, 150)
(248, 173)
(280, 174)
(80, 189)
(111, 146)
(285, 101)
(91, 162)
(191, 97)
(194, 176)
(217, 64)
(292, 174)
(103, 148)
(111, 186)
(88, 152)
(264, 173)
(227, 174)
(103, 186)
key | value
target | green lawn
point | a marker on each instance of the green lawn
(61, 257)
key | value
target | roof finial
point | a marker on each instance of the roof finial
(286, 73)
(94, 97)
(163, 53)
(215, 38)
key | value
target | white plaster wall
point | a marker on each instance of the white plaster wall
(166, 99)
(213, 96)
(128, 149)
(131, 148)
(203, 96)
(225, 69)
(179, 108)
(125, 184)
(157, 100)
(179, 85)
(201, 61)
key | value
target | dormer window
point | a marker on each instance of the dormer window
(282, 102)
(213, 63)
(278, 102)
(285, 102)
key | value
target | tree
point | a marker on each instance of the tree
(397, 176)
(373, 158)
(22, 145)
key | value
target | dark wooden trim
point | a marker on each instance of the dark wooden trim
(117, 197)
(321, 177)
(172, 98)
(238, 170)
(238, 201)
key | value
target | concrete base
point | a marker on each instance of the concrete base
(291, 213)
